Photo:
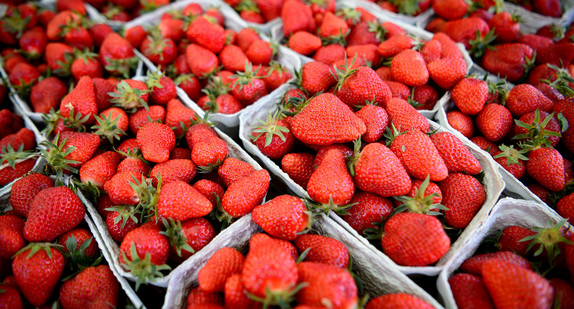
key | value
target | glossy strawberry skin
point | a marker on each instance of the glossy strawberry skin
(220, 266)
(326, 283)
(25, 190)
(282, 217)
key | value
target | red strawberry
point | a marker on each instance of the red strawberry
(235, 296)
(156, 140)
(275, 75)
(135, 35)
(162, 88)
(23, 76)
(102, 88)
(233, 58)
(130, 94)
(9, 173)
(24, 139)
(11, 236)
(505, 26)
(260, 52)
(546, 166)
(563, 293)
(331, 184)
(299, 167)
(224, 263)
(565, 207)
(47, 94)
(494, 121)
(117, 55)
(100, 169)
(525, 98)
(199, 297)
(326, 284)
(37, 270)
(376, 120)
(207, 34)
(357, 87)
(193, 236)
(93, 287)
(330, 54)
(368, 209)
(405, 117)
(337, 123)
(161, 51)
(246, 193)
(25, 190)
(463, 195)
(173, 169)
(53, 212)
(234, 169)
(469, 95)
(378, 170)
(11, 296)
(455, 155)
(207, 150)
(411, 147)
(142, 116)
(397, 300)
(450, 9)
(85, 146)
(322, 249)
(202, 61)
(413, 239)
(463, 30)
(469, 290)
(395, 45)
(82, 100)
(33, 42)
(409, 68)
(510, 285)
(510, 240)
(119, 223)
(178, 200)
(474, 264)
(176, 113)
(316, 77)
(296, 16)
(211, 190)
(283, 217)
(447, 72)
(273, 137)
(304, 43)
(509, 60)
(431, 51)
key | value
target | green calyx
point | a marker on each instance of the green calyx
(176, 236)
(12, 157)
(537, 134)
(55, 155)
(246, 77)
(270, 128)
(128, 98)
(548, 240)
(121, 67)
(420, 203)
(480, 44)
(36, 247)
(280, 298)
(143, 269)
(350, 14)
(512, 155)
(106, 127)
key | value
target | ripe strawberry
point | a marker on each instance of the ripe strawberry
(537, 119)
(82, 100)
(24, 139)
(173, 169)
(247, 86)
(55, 26)
(246, 193)
(357, 87)
(563, 293)
(525, 98)
(234, 169)
(143, 116)
(509, 60)
(316, 77)
(510, 237)
(9, 173)
(464, 30)
(156, 140)
(395, 45)
(413, 239)
(93, 287)
(207, 150)
(37, 270)
(224, 263)
(23, 76)
(367, 209)
(33, 42)
(546, 166)
(211, 190)
(53, 212)
(450, 9)
(283, 217)
(81, 145)
(117, 56)
(322, 249)
(338, 124)
(510, 285)
(405, 117)
(198, 296)
(330, 54)
(455, 155)
(245, 37)
(469, 95)
(304, 43)
(494, 121)
(47, 94)
(102, 88)
(193, 235)
(100, 169)
(376, 119)
(235, 296)
(409, 68)
(99, 32)
(162, 88)
(161, 51)
(180, 201)
(398, 90)
(469, 290)
(474, 264)
(120, 222)
(397, 300)
(273, 137)
(130, 94)
(269, 270)
(326, 284)
(378, 170)
(299, 167)
(135, 35)
(463, 195)
(232, 58)
(331, 184)
(447, 72)
(11, 296)
(260, 52)
(296, 16)
(275, 75)
(202, 61)
(11, 236)
(410, 147)
(25, 190)
(565, 207)
(431, 51)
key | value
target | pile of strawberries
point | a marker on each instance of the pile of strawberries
(122, 10)
(46, 252)
(519, 266)
(220, 69)
(359, 180)
(260, 11)
(405, 7)
(311, 271)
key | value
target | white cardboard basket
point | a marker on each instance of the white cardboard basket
(377, 276)
(507, 212)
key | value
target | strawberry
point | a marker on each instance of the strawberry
(299, 167)
(510, 239)
(423, 97)
(120, 222)
(93, 287)
(333, 27)
(234, 169)
(398, 90)
(270, 9)
(556, 54)
(550, 8)
(510, 285)
(11, 236)
(357, 87)
(10, 296)
(431, 51)
(162, 88)
(463, 195)
(469, 95)
(245, 37)
(202, 62)
(198, 296)
(130, 94)
(304, 43)
(37, 269)
(337, 123)
(53, 212)
(173, 169)
(410, 147)
(211, 190)
(474, 264)
(494, 121)
(455, 155)
(260, 52)
(142, 248)
(78, 147)
(59, 57)
(33, 42)
(413, 239)
(469, 290)
(189, 84)
(100, 169)
(525, 98)
(156, 140)
(235, 296)
(296, 16)
(397, 300)
(99, 32)
(176, 114)
(409, 68)
(207, 150)
(135, 35)
(547, 125)
(117, 55)
(81, 100)
(246, 193)
(83, 241)
(322, 249)
(506, 27)
(161, 51)
(224, 263)
(542, 193)
(395, 45)
(367, 209)
(247, 86)
(378, 170)
(208, 35)
(450, 9)
(143, 116)
(25, 190)
(269, 271)
(55, 26)
(331, 184)
(376, 119)
(366, 32)
(283, 217)
(316, 77)
(23, 76)
(326, 284)
(275, 75)
(120, 190)
(464, 30)
(565, 206)
(447, 72)
(193, 235)
(273, 137)
(232, 58)
(563, 293)
(546, 166)
(24, 139)
(180, 201)
(9, 173)
(405, 117)
(509, 60)
(330, 54)
(102, 88)
(47, 94)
